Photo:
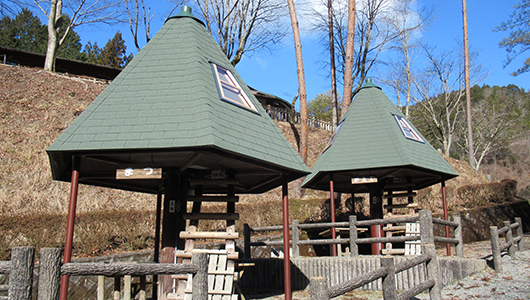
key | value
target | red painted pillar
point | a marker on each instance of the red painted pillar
(286, 244)
(332, 208)
(70, 226)
(446, 217)
(376, 212)
(156, 252)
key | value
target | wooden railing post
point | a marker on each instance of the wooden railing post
(50, 273)
(426, 228)
(519, 232)
(246, 241)
(354, 249)
(296, 239)
(459, 248)
(495, 248)
(389, 280)
(509, 238)
(433, 272)
(21, 275)
(319, 288)
(200, 279)
(127, 286)
(101, 287)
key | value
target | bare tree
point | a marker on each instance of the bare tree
(80, 12)
(302, 149)
(471, 154)
(348, 57)
(408, 23)
(243, 26)
(439, 97)
(138, 16)
(332, 66)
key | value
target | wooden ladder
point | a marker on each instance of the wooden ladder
(407, 229)
(221, 265)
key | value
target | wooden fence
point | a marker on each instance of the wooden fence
(320, 290)
(20, 271)
(426, 233)
(284, 115)
(497, 248)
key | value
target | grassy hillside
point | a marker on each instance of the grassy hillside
(36, 107)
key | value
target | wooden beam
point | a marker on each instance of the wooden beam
(211, 216)
(208, 235)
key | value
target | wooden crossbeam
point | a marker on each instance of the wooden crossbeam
(208, 235)
(211, 216)
(214, 198)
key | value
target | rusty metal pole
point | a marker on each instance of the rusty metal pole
(332, 208)
(446, 217)
(70, 226)
(286, 256)
(156, 254)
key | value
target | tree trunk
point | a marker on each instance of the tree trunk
(332, 66)
(301, 81)
(470, 145)
(348, 63)
(51, 50)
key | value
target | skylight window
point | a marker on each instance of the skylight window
(407, 130)
(230, 90)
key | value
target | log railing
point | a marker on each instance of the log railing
(20, 271)
(511, 241)
(426, 233)
(284, 115)
(320, 290)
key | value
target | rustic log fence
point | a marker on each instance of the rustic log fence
(20, 271)
(320, 290)
(284, 115)
(511, 241)
(426, 233)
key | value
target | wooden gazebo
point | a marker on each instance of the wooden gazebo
(375, 149)
(177, 122)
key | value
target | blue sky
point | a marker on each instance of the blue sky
(276, 73)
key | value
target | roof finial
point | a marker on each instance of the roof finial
(368, 83)
(185, 11)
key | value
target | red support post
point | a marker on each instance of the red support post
(286, 244)
(65, 279)
(332, 208)
(446, 217)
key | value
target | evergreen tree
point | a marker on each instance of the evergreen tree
(320, 107)
(71, 47)
(24, 32)
(114, 54)
(519, 39)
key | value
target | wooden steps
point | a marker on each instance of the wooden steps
(221, 268)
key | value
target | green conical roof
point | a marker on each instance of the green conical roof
(164, 109)
(371, 143)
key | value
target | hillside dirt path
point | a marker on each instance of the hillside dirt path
(512, 283)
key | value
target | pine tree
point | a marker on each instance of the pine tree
(24, 32)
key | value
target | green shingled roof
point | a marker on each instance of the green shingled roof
(370, 143)
(164, 109)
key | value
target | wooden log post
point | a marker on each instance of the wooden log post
(434, 272)
(200, 279)
(21, 275)
(509, 238)
(127, 287)
(296, 239)
(246, 241)
(426, 228)
(50, 273)
(319, 288)
(354, 249)
(519, 232)
(495, 248)
(101, 287)
(389, 280)
(459, 248)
